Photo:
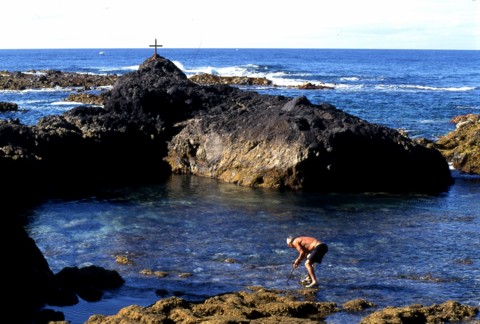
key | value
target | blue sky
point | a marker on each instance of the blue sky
(401, 24)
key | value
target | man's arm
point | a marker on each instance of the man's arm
(301, 254)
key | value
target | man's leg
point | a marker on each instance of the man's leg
(311, 273)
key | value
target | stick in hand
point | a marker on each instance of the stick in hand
(291, 273)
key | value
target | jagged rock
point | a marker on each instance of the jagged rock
(52, 79)
(87, 283)
(89, 276)
(8, 106)
(461, 147)
(86, 98)
(262, 305)
(27, 278)
(357, 305)
(312, 86)
(209, 79)
(270, 141)
(277, 142)
(448, 312)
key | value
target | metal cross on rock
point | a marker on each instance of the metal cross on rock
(155, 51)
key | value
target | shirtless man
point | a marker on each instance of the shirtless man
(311, 249)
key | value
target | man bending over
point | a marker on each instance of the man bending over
(311, 249)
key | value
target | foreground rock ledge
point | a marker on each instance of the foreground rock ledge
(261, 306)
(270, 306)
(447, 312)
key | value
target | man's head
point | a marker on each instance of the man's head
(289, 240)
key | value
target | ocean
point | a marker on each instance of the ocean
(389, 249)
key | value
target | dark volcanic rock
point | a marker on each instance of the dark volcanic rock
(88, 282)
(272, 141)
(27, 278)
(52, 79)
(208, 79)
(8, 106)
(277, 142)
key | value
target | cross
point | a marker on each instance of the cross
(155, 52)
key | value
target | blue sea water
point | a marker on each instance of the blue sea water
(390, 249)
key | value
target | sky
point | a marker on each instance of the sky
(385, 24)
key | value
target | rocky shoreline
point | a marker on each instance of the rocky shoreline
(52, 79)
(155, 122)
(260, 305)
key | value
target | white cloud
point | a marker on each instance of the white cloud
(248, 23)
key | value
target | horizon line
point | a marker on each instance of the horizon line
(239, 48)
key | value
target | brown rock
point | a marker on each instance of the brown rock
(449, 311)
(357, 305)
(461, 147)
(207, 79)
(123, 259)
(263, 305)
(311, 86)
(86, 98)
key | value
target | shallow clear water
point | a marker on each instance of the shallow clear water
(389, 249)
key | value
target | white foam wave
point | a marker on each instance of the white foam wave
(56, 89)
(35, 73)
(352, 78)
(428, 121)
(179, 65)
(468, 107)
(66, 103)
(121, 68)
(415, 87)
(350, 87)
